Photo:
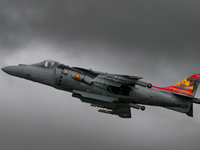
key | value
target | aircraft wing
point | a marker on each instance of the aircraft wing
(110, 105)
(112, 79)
(118, 80)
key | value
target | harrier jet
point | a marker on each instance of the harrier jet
(112, 93)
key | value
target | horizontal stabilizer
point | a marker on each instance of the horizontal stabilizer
(190, 112)
(189, 98)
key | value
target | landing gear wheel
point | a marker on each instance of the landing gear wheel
(142, 108)
(149, 85)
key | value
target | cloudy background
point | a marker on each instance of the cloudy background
(158, 40)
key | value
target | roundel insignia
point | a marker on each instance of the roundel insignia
(77, 76)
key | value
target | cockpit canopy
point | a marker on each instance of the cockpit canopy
(46, 64)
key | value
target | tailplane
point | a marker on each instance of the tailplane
(187, 86)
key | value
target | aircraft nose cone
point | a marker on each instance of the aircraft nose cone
(4, 69)
(12, 70)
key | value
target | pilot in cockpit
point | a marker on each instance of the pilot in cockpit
(49, 64)
(46, 64)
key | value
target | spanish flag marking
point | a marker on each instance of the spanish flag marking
(77, 76)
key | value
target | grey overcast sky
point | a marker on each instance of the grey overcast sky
(158, 40)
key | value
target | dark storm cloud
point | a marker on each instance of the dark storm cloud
(153, 24)
(167, 31)
(158, 40)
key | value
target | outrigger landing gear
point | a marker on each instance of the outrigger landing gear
(136, 106)
(149, 85)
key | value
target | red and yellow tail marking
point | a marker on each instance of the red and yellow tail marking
(187, 86)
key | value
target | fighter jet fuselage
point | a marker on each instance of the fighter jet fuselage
(116, 94)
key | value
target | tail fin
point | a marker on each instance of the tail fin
(187, 86)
